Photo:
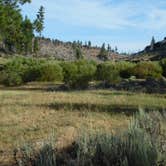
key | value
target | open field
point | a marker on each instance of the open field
(31, 113)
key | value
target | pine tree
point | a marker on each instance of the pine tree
(12, 26)
(116, 49)
(39, 22)
(103, 55)
(109, 48)
(89, 44)
(27, 29)
(78, 53)
(152, 44)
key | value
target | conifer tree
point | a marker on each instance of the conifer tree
(152, 44)
(39, 22)
(15, 32)
(27, 29)
(103, 55)
(89, 44)
(78, 53)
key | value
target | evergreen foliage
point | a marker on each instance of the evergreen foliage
(16, 32)
(152, 44)
(103, 55)
(39, 22)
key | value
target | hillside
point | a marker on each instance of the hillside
(65, 51)
(153, 52)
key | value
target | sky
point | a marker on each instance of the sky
(127, 24)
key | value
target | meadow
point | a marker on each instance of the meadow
(32, 113)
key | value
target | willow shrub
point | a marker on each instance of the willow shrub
(144, 70)
(78, 74)
(22, 70)
(163, 65)
(108, 73)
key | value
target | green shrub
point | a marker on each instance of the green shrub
(14, 72)
(125, 69)
(69, 72)
(51, 72)
(147, 69)
(163, 65)
(78, 74)
(85, 73)
(30, 69)
(108, 73)
(11, 79)
(32, 73)
(127, 73)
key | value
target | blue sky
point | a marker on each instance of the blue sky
(127, 24)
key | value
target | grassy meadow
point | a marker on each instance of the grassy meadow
(32, 113)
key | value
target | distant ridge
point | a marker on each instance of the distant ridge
(153, 53)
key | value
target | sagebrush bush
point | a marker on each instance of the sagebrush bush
(152, 123)
(29, 156)
(46, 156)
(132, 148)
(143, 144)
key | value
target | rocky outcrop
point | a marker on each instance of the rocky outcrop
(157, 52)
(149, 85)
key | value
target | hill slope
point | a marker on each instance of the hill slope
(65, 51)
(155, 52)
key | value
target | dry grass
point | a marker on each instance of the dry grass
(32, 115)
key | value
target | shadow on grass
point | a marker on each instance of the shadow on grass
(79, 107)
(24, 88)
(112, 93)
(110, 108)
(89, 107)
